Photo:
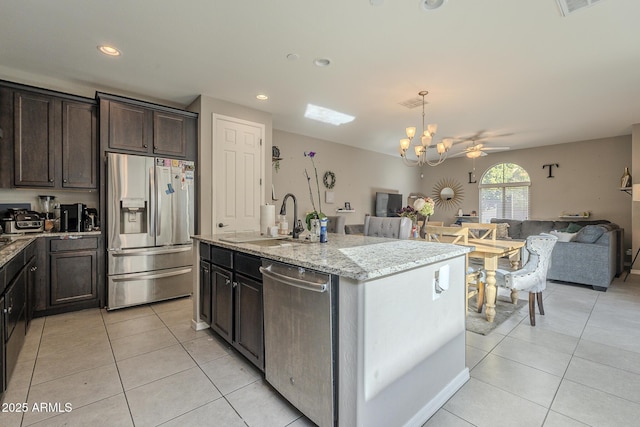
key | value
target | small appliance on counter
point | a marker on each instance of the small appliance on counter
(72, 217)
(19, 220)
(46, 206)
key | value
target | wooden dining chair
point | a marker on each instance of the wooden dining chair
(473, 280)
(481, 230)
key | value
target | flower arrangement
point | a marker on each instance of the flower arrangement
(316, 213)
(408, 212)
(422, 206)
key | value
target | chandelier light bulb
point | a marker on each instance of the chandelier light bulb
(419, 150)
(432, 128)
(404, 143)
(411, 132)
(426, 140)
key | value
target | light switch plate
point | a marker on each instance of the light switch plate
(329, 197)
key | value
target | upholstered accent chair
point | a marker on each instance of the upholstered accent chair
(392, 227)
(336, 224)
(532, 277)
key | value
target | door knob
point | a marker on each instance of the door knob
(220, 225)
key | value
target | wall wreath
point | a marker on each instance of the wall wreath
(329, 179)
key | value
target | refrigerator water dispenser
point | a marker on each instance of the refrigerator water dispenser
(133, 216)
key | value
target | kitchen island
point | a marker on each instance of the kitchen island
(399, 324)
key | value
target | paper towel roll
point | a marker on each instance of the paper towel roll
(267, 218)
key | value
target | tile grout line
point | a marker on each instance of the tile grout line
(124, 393)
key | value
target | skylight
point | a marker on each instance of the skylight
(327, 115)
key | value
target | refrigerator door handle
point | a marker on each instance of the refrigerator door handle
(135, 277)
(145, 252)
(151, 220)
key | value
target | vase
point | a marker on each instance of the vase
(423, 229)
(625, 181)
(315, 230)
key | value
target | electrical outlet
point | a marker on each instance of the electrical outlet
(440, 281)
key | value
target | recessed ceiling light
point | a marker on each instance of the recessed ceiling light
(262, 97)
(109, 50)
(293, 56)
(326, 115)
(321, 62)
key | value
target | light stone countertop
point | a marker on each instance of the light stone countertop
(21, 241)
(354, 256)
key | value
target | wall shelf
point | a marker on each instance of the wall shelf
(627, 190)
(345, 210)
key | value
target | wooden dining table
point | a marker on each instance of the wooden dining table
(490, 251)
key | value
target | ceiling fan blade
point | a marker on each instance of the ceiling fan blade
(496, 148)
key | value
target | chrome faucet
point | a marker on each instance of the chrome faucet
(296, 228)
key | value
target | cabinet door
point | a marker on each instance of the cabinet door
(35, 130)
(73, 276)
(205, 291)
(249, 337)
(31, 270)
(169, 134)
(129, 127)
(79, 145)
(222, 302)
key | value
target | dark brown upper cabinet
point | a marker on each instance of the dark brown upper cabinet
(138, 127)
(52, 138)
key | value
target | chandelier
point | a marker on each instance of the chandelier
(420, 150)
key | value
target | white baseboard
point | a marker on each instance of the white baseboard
(198, 326)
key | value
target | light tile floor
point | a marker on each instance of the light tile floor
(145, 366)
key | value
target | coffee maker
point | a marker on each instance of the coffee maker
(72, 217)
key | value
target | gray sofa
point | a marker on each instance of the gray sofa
(595, 259)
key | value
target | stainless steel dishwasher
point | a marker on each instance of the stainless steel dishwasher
(300, 342)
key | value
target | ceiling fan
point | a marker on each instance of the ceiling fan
(476, 150)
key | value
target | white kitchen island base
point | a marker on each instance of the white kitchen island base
(401, 346)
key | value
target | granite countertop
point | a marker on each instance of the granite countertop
(354, 256)
(20, 241)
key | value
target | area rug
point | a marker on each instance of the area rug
(477, 322)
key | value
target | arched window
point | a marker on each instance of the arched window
(504, 192)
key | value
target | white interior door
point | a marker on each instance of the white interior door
(238, 161)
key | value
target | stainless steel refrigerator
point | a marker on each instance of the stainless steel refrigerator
(150, 221)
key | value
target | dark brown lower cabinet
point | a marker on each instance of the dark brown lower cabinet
(222, 302)
(249, 337)
(205, 291)
(235, 292)
(72, 278)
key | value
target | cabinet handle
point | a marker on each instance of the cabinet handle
(64, 180)
(34, 268)
(235, 284)
(227, 281)
(51, 180)
(145, 146)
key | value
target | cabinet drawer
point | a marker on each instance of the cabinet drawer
(222, 257)
(248, 265)
(205, 251)
(81, 243)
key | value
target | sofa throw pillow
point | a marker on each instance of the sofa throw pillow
(502, 231)
(563, 236)
(573, 228)
(589, 234)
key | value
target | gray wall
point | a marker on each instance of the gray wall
(588, 178)
(359, 174)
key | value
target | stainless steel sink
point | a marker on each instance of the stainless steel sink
(277, 242)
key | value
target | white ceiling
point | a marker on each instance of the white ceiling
(514, 71)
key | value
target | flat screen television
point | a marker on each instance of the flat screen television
(388, 204)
